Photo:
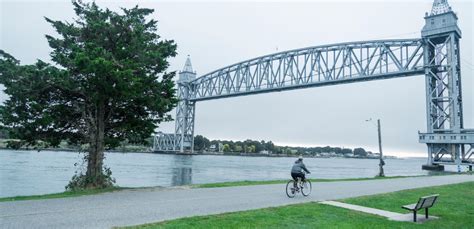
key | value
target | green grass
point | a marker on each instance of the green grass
(454, 208)
(62, 194)
(247, 182)
(455, 204)
(210, 185)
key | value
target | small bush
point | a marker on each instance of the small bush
(80, 181)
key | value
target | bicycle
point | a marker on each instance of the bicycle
(301, 186)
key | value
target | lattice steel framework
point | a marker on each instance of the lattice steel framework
(447, 140)
(436, 55)
(183, 138)
(313, 66)
(164, 142)
(184, 129)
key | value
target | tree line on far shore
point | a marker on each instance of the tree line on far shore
(202, 144)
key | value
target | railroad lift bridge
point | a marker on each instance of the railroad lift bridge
(435, 55)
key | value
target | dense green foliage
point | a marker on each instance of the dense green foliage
(453, 208)
(202, 143)
(4, 134)
(109, 85)
(360, 152)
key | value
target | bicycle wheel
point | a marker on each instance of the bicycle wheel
(290, 189)
(306, 188)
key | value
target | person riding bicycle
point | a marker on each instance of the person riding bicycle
(297, 170)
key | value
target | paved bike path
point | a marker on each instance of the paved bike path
(131, 207)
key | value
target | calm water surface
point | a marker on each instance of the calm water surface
(32, 172)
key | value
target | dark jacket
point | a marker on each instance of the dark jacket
(298, 167)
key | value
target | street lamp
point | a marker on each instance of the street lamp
(381, 163)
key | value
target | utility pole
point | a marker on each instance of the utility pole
(381, 163)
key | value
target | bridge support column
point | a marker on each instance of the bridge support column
(443, 87)
(184, 129)
(184, 124)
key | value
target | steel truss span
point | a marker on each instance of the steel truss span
(313, 67)
(436, 55)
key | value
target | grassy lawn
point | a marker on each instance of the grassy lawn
(210, 185)
(455, 204)
(244, 183)
(61, 194)
(454, 208)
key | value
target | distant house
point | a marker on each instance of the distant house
(265, 152)
(213, 148)
(325, 155)
(216, 147)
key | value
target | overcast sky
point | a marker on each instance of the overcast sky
(219, 34)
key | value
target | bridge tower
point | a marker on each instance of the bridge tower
(441, 36)
(184, 124)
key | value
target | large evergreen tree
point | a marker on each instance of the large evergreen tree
(109, 84)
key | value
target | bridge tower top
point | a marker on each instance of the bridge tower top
(440, 7)
(187, 74)
(441, 20)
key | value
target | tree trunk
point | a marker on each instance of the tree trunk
(94, 175)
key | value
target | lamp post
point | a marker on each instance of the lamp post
(381, 162)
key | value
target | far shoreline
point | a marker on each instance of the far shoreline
(205, 153)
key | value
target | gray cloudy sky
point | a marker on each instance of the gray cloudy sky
(219, 34)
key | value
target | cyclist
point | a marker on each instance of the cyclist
(297, 170)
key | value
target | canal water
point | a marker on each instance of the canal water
(32, 172)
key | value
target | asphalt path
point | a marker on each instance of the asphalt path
(139, 206)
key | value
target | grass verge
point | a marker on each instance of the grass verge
(62, 194)
(453, 208)
(210, 185)
(247, 182)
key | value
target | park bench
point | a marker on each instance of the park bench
(424, 202)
